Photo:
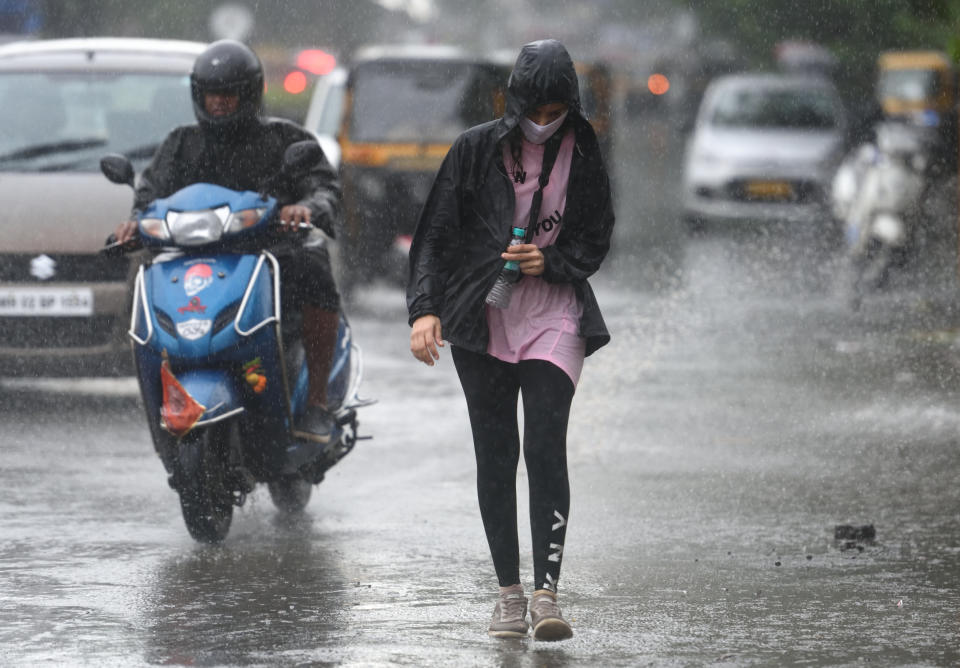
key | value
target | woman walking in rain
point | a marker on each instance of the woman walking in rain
(535, 174)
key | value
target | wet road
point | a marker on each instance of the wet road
(740, 413)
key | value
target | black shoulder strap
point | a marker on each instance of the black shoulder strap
(550, 151)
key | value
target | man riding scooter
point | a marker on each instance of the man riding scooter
(233, 146)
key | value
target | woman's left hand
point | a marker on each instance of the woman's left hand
(528, 256)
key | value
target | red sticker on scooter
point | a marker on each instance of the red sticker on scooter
(198, 277)
(193, 307)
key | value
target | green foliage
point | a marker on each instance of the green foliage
(854, 29)
(336, 24)
(177, 19)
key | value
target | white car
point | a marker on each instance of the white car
(63, 306)
(764, 148)
(325, 112)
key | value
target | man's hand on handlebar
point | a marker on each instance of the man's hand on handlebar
(125, 238)
(125, 232)
(293, 217)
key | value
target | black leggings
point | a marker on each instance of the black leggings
(491, 388)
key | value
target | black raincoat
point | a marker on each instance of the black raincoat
(466, 221)
(250, 158)
(245, 160)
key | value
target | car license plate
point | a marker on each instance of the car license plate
(769, 190)
(63, 302)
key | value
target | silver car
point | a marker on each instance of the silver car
(764, 148)
(63, 306)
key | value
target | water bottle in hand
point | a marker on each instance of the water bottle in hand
(501, 292)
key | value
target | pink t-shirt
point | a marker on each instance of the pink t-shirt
(543, 319)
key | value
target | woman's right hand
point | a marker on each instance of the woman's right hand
(425, 336)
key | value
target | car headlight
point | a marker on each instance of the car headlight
(238, 221)
(196, 228)
(155, 227)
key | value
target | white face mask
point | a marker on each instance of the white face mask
(538, 134)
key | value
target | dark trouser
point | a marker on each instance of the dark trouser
(310, 306)
(491, 388)
(306, 278)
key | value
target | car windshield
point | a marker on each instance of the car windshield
(807, 108)
(419, 101)
(68, 121)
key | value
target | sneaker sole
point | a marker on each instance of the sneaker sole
(506, 634)
(307, 436)
(552, 629)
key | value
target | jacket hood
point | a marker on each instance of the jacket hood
(543, 73)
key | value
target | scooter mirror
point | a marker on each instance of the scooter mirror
(301, 156)
(117, 169)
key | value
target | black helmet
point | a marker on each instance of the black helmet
(227, 66)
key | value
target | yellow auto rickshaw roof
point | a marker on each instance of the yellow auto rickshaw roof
(911, 60)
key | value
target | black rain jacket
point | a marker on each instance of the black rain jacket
(244, 160)
(466, 221)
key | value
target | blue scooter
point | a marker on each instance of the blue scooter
(221, 385)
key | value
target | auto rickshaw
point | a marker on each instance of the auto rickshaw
(596, 98)
(398, 109)
(917, 86)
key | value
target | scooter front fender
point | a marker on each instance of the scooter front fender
(216, 390)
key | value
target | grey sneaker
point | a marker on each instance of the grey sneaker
(548, 622)
(318, 425)
(509, 615)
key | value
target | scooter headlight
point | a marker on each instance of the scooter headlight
(196, 228)
(155, 227)
(238, 221)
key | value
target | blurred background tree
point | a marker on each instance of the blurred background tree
(280, 29)
(848, 27)
(633, 35)
(301, 22)
(854, 31)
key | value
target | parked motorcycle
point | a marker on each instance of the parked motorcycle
(879, 194)
(220, 383)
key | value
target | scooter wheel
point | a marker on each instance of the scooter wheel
(205, 497)
(290, 494)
